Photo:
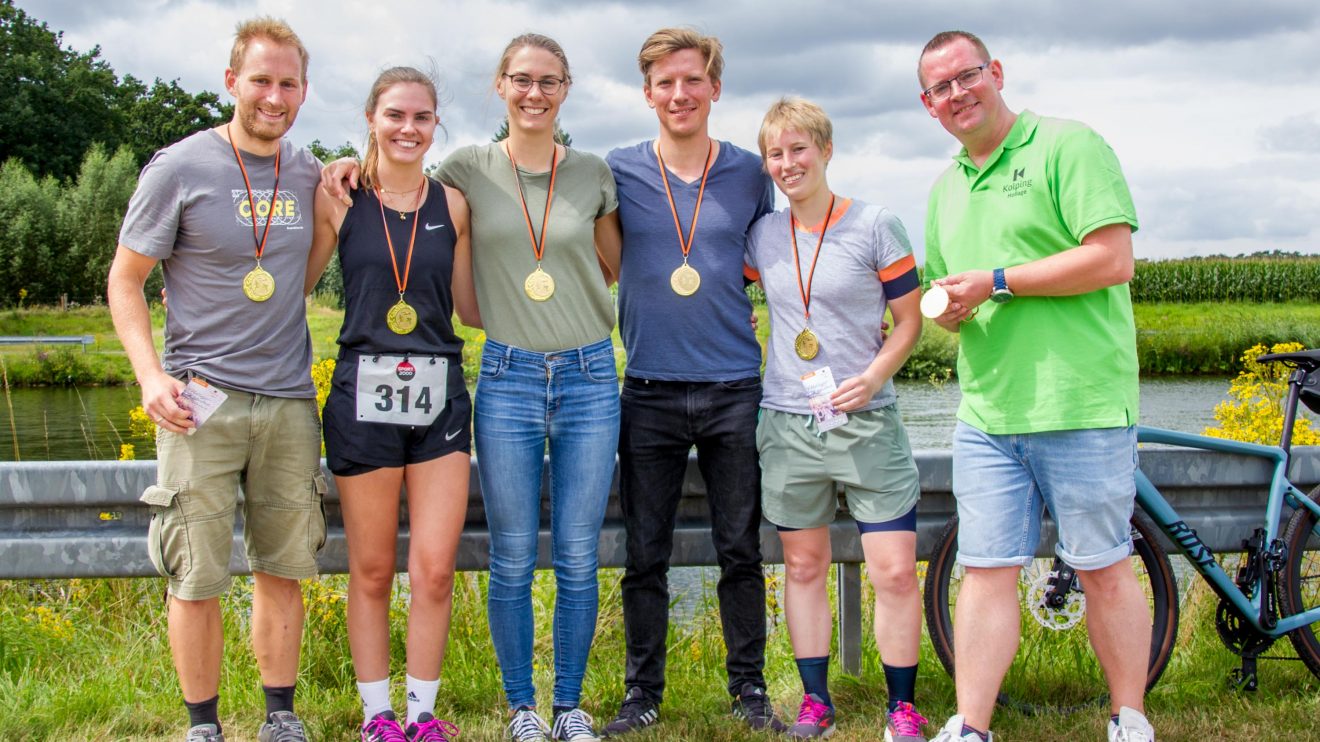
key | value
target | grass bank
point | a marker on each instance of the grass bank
(89, 659)
(1172, 339)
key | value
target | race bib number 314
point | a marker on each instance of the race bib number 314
(399, 390)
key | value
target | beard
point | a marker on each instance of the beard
(255, 127)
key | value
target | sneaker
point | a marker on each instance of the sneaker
(383, 727)
(205, 733)
(1131, 727)
(904, 724)
(815, 720)
(753, 707)
(527, 726)
(282, 726)
(637, 712)
(952, 732)
(427, 728)
(574, 725)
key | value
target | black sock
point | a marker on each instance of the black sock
(901, 683)
(815, 672)
(278, 698)
(204, 712)
(971, 730)
(557, 710)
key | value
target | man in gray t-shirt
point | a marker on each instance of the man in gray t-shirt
(227, 213)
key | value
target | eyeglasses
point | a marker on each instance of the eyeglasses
(523, 83)
(965, 79)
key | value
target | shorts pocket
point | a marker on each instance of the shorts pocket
(316, 529)
(167, 536)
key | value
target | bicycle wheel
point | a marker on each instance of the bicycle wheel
(1301, 580)
(1055, 669)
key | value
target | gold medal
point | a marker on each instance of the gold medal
(685, 280)
(258, 285)
(539, 286)
(806, 344)
(401, 318)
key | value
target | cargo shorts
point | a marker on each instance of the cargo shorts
(256, 452)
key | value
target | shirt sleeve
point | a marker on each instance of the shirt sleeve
(609, 191)
(1089, 188)
(453, 171)
(897, 269)
(151, 223)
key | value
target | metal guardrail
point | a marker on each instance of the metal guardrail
(83, 519)
(83, 340)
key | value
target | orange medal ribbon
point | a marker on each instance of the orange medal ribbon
(401, 318)
(252, 206)
(685, 280)
(539, 286)
(806, 344)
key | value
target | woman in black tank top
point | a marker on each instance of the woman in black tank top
(398, 411)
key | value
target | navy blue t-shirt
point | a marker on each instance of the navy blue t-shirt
(706, 336)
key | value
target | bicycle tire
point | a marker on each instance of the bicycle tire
(1301, 581)
(1037, 682)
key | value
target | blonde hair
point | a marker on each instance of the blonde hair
(666, 41)
(792, 113)
(271, 29)
(384, 81)
(536, 41)
(943, 39)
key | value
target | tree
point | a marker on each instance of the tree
(561, 136)
(56, 102)
(327, 155)
(88, 217)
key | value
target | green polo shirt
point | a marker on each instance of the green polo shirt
(1037, 363)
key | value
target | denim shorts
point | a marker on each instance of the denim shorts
(1003, 482)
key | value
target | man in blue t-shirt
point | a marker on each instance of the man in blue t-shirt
(693, 377)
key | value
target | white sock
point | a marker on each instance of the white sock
(421, 697)
(375, 697)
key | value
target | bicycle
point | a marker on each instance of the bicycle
(1276, 590)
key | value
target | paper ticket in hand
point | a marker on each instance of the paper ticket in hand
(203, 400)
(820, 385)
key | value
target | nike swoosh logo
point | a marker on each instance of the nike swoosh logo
(432, 227)
(453, 435)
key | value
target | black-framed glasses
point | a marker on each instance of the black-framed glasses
(965, 79)
(523, 83)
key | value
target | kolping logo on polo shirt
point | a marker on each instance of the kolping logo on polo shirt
(285, 211)
(1020, 185)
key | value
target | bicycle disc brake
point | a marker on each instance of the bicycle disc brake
(1056, 601)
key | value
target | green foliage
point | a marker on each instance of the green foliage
(56, 102)
(1206, 339)
(57, 239)
(326, 154)
(1279, 278)
(561, 136)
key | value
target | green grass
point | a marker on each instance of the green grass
(89, 659)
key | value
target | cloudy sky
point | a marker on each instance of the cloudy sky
(1213, 107)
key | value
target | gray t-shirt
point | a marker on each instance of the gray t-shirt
(866, 252)
(191, 212)
(581, 311)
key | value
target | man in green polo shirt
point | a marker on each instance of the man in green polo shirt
(1030, 233)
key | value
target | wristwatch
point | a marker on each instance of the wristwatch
(1000, 294)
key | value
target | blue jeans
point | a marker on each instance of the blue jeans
(524, 399)
(1084, 477)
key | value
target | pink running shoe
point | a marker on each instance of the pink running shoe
(904, 724)
(383, 727)
(430, 729)
(815, 720)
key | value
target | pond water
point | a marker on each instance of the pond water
(63, 424)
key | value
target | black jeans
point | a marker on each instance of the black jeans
(661, 422)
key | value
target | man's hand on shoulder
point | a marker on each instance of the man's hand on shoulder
(339, 177)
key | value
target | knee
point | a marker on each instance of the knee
(431, 583)
(373, 580)
(894, 579)
(805, 568)
(1108, 581)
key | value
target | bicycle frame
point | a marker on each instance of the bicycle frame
(1203, 559)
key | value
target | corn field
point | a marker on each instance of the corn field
(1227, 279)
